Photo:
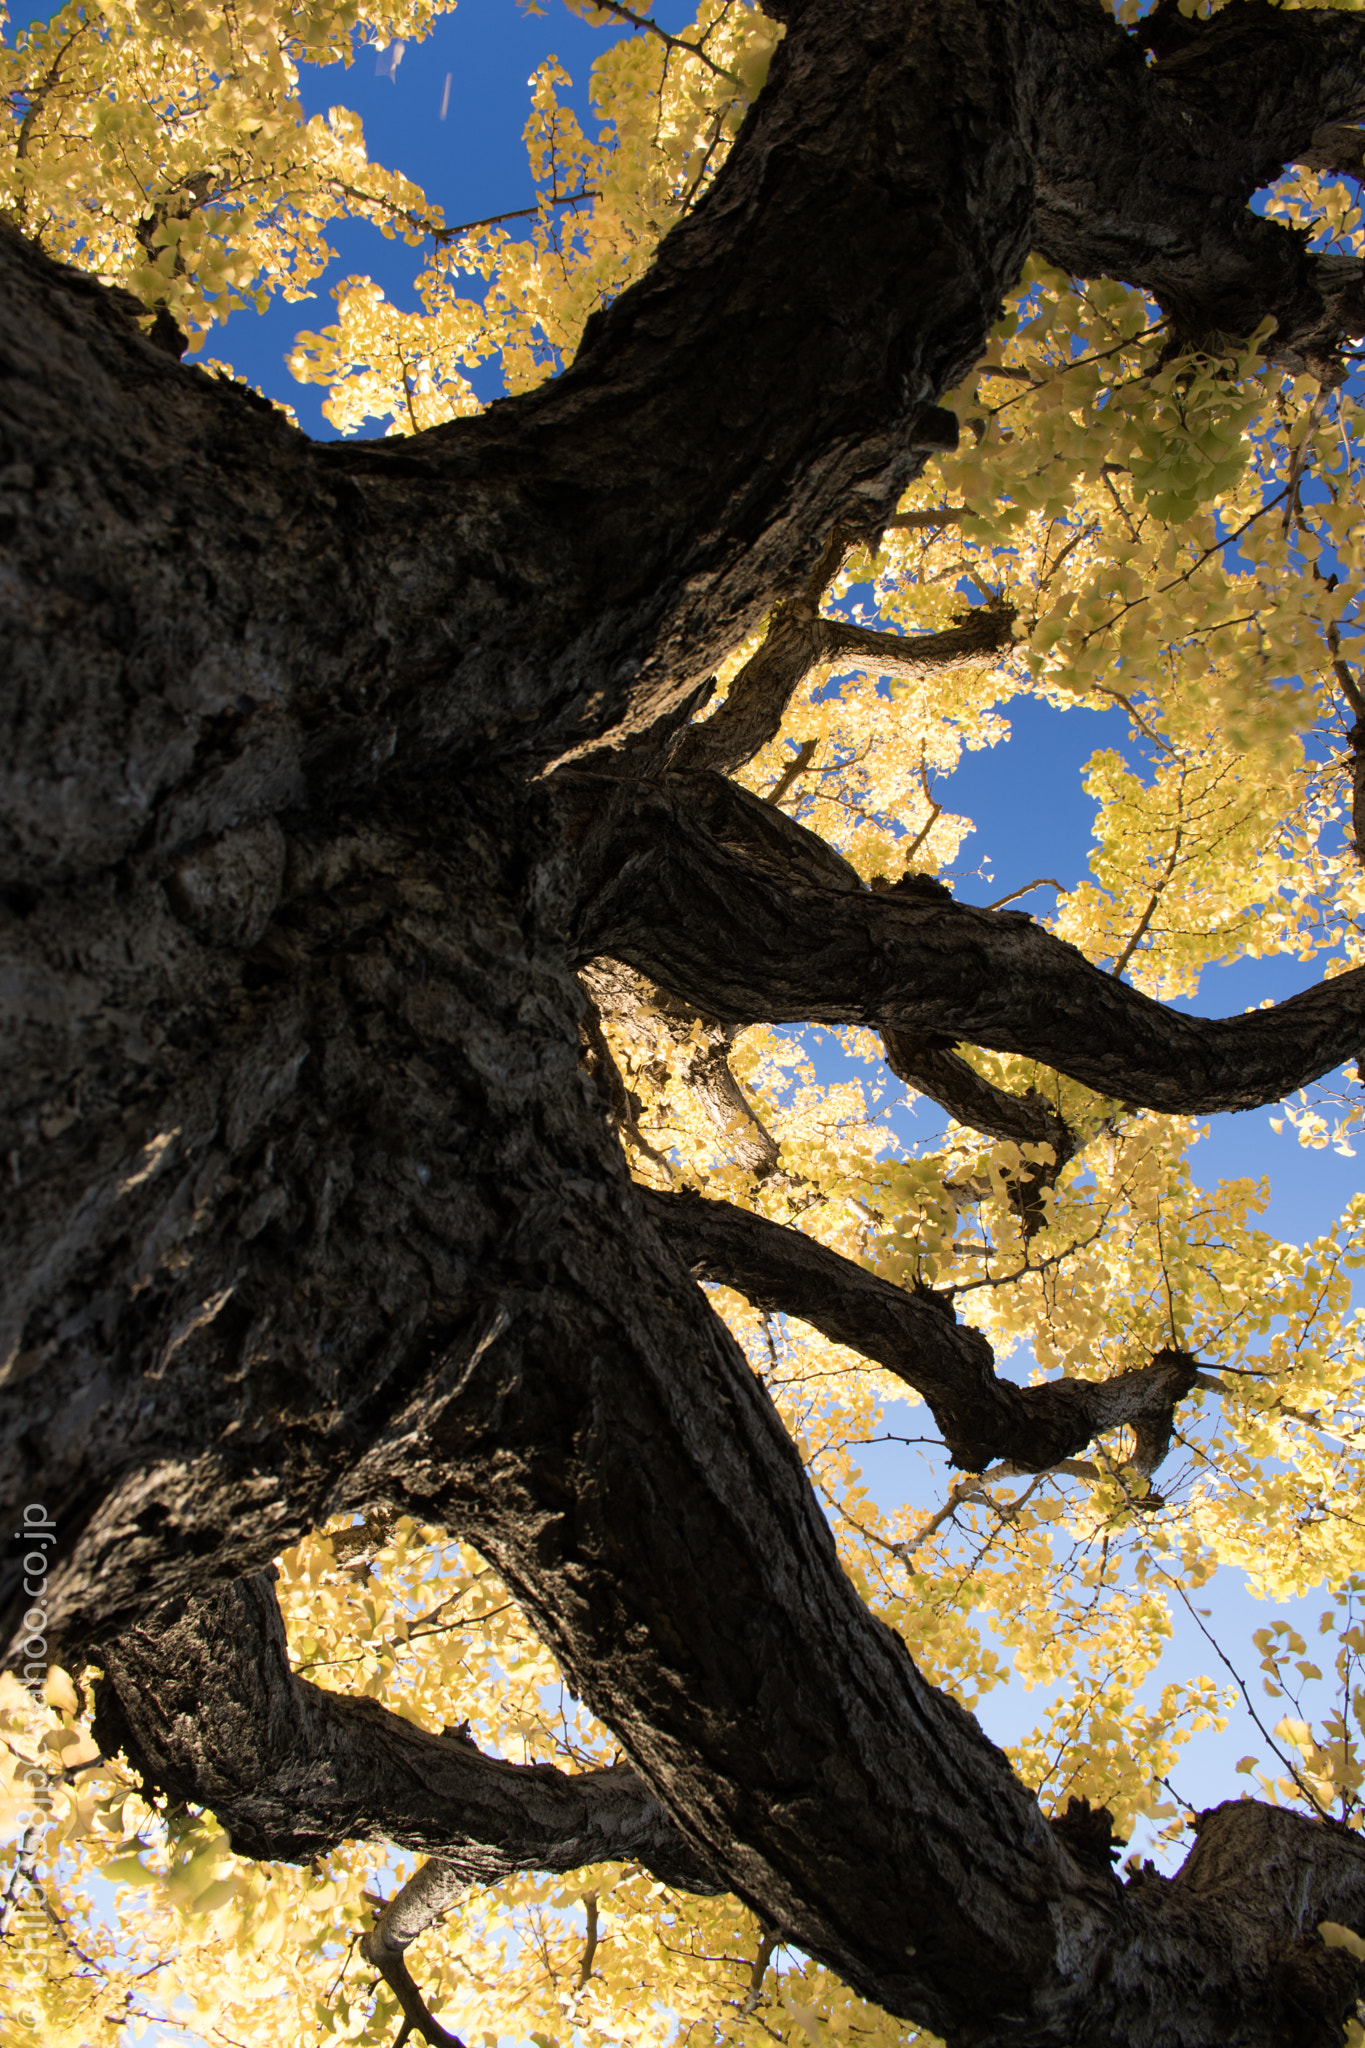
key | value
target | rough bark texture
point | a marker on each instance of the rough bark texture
(917, 1337)
(324, 769)
(797, 641)
(203, 1700)
(647, 1015)
(936, 1071)
(733, 906)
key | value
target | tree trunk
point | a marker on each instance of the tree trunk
(312, 1203)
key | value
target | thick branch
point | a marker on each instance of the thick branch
(949, 1081)
(799, 640)
(935, 1070)
(646, 1014)
(560, 571)
(739, 911)
(915, 1336)
(1190, 138)
(202, 1701)
(427, 1897)
(655, 1519)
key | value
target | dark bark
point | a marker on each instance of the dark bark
(313, 1205)
(917, 1337)
(797, 641)
(219, 618)
(950, 1081)
(932, 1067)
(202, 1702)
(1191, 137)
(741, 912)
(427, 1896)
(858, 1811)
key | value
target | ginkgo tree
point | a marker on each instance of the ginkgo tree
(424, 853)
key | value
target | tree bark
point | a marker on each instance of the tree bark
(202, 1701)
(738, 910)
(312, 1204)
(917, 1337)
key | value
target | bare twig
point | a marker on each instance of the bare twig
(647, 22)
(935, 809)
(798, 765)
(590, 1940)
(1158, 887)
(1307, 1791)
(1043, 882)
(1316, 410)
(937, 516)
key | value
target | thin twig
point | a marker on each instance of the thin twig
(1306, 1790)
(1043, 882)
(935, 809)
(914, 522)
(1300, 458)
(494, 220)
(798, 765)
(1159, 887)
(767, 1943)
(647, 22)
(590, 1940)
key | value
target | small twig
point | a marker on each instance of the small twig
(1306, 1790)
(935, 809)
(972, 1487)
(1158, 887)
(1104, 690)
(1043, 882)
(1119, 504)
(1174, 1794)
(1081, 533)
(648, 23)
(913, 522)
(330, 1993)
(590, 1940)
(1225, 540)
(798, 765)
(1293, 508)
(494, 220)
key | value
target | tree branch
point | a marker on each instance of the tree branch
(916, 1337)
(799, 640)
(931, 1067)
(1227, 103)
(427, 1897)
(706, 1069)
(670, 42)
(742, 913)
(202, 1701)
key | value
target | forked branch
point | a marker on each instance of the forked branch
(798, 640)
(202, 1701)
(932, 1067)
(916, 1337)
(427, 1897)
